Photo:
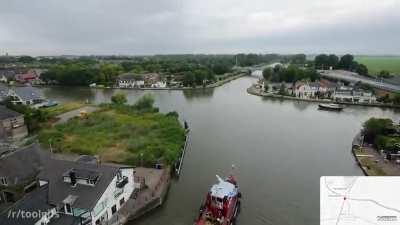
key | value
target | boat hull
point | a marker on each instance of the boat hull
(330, 108)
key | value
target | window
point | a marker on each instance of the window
(3, 181)
(113, 209)
(68, 209)
(121, 201)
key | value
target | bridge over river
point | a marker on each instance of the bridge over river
(354, 77)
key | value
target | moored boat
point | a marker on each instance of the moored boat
(332, 107)
(222, 203)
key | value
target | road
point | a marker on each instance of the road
(354, 77)
(68, 115)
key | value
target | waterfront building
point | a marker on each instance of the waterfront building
(130, 80)
(91, 192)
(12, 124)
(352, 95)
(72, 192)
(18, 171)
(26, 95)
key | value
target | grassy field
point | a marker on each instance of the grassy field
(377, 63)
(121, 135)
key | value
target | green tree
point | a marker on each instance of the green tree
(119, 99)
(146, 102)
(376, 126)
(321, 61)
(26, 59)
(267, 73)
(362, 69)
(189, 79)
(333, 61)
(346, 62)
(396, 99)
(109, 72)
(384, 74)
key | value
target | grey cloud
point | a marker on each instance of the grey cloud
(187, 26)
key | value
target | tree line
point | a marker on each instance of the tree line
(290, 74)
(346, 62)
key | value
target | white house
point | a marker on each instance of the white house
(159, 84)
(349, 95)
(130, 80)
(306, 90)
(86, 192)
(25, 95)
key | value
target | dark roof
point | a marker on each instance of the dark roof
(33, 202)
(130, 76)
(6, 113)
(23, 165)
(87, 159)
(28, 93)
(3, 90)
(7, 73)
(87, 196)
(64, 219)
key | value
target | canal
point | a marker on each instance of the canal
(280, 150)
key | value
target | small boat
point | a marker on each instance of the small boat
(331, 107)
(222, 203)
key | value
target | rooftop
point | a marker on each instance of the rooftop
(86, 196)
(28, 93)
(6, 113)
(33, 202)
(22, 165)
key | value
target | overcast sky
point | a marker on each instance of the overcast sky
(52, 27)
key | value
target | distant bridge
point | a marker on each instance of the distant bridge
(354, 77)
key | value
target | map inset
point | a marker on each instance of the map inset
(359, 200)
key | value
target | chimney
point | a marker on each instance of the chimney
(72, 176)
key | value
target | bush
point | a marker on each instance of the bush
(145, 102)
(119, 99)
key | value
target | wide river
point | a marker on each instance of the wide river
(280, 149)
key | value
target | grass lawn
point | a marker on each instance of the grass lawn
(376, 64)
(121, 135)
(62, 108)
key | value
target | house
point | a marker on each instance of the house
(12, 124)
(27, 77)
(91, 193)
(69, 192)
(7, 75)
(36, 201)
(18, 171)
(130, 80)
(3, 91)
(25, 95)
(306, 89)
(327, 86)
(348, 94)
(153, 80)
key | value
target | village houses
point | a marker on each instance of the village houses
(71, 192)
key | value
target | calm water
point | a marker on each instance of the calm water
(280, 149)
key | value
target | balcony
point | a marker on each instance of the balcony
(122, 182)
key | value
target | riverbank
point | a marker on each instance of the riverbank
(213, 85)
(258, 92)
(370, 161)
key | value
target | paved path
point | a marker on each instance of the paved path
(390, 168)
(62, 118)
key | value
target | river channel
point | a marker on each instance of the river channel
(280, 150)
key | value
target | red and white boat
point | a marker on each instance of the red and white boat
(222, 203)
